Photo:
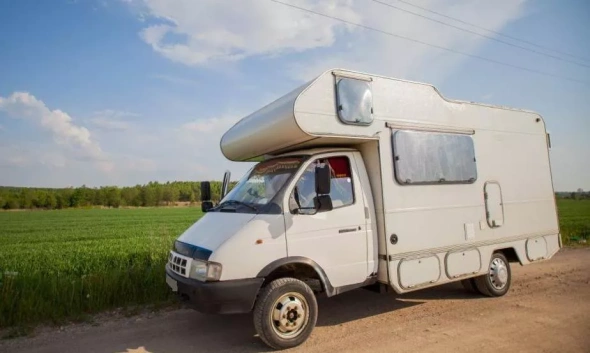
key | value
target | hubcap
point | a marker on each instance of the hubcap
(289, 315)
(498, 273)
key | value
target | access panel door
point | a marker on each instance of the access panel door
(494, 204)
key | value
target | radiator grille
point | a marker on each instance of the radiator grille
(179, 264)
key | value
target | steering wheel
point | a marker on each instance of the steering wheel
(253, 193)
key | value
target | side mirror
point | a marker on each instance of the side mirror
(323, 203)
(323, 180)
(225, 185)
(205, 191)
(206, 203)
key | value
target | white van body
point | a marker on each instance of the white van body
(438, 187)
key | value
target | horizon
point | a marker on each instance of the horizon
(184, 181)
(123, 92)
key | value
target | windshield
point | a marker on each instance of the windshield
(263, 182)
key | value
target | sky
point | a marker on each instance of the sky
(122, 92)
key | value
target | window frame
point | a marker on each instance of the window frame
(314, 159)
(275, 205)
(337, 90)
(396, 167)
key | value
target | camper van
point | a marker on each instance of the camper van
(367, 181)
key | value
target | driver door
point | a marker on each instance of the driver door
(336, 240)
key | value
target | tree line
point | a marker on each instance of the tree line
(148, 195)
(577, 195)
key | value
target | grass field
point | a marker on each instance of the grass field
(574, 220)
(58, 265)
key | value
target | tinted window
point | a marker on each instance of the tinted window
(433, 158)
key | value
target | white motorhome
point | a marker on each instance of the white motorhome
(365, 180)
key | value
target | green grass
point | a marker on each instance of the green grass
(574, 220)
(58, 265)
(69, 264)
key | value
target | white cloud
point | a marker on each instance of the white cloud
(14, 160)
(112, 119)
(175, 79)
(199, 140)
(30, 154)
(141, 164)
(380, 53)
(199, 32)
(186, 150)
(109, 124)
(139, 153)
(217, 126)
(77, 139)
(204, 32)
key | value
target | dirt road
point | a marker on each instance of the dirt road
(546, 310)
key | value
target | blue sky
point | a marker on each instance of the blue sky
(103, 92)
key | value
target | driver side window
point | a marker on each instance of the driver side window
(341, 190)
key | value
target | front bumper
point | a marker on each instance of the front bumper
(224, 297)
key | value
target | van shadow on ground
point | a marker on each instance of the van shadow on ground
(194, 332)
(360, 304)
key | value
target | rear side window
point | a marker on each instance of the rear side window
(433, 158)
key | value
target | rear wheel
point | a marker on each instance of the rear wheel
(285, 313)
(497, 281)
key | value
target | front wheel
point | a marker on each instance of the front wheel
(285, 313)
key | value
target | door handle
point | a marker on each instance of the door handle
(348, 230)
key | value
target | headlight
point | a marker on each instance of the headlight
(205, 271)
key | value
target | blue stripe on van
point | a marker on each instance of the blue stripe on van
(192, 251)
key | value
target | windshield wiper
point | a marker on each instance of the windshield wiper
(236, 202)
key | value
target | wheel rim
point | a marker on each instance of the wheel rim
(498, 273)
(289, 315)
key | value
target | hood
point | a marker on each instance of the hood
(214, 228)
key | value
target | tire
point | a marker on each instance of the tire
(496, 282)
(469, 285)
(285, 299)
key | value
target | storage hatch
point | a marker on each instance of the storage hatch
(494, 204)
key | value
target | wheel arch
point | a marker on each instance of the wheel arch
(297, 267)
(510, 253)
